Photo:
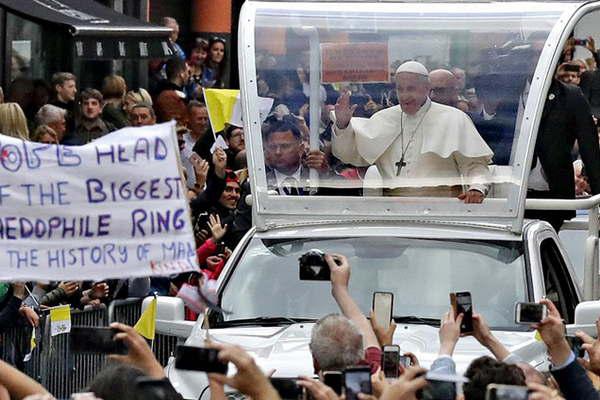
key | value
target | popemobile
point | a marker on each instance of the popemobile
(424, 198)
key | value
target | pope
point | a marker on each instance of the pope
(421, 148)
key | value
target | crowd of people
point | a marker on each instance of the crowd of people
(345, 340)
(217, 183)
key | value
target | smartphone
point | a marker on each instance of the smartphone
(220, 248)
(390, 361)
(438, 389)
(506, 392)
(383, 304)
(335, 380)
(85, 339)
(405, 361)
(199, 359)
(357, 380)
(580, 42)
(462, 304)
(154, 389)
(288, 388)
(530, 313)
(575, 343)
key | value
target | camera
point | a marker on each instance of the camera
(313, 266)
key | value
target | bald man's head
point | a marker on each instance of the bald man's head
(444, 87)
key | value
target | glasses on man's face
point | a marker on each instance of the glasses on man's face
(281, 147)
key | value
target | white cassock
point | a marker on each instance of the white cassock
(442, 152)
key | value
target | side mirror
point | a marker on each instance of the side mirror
(167, 308)
(587, 313)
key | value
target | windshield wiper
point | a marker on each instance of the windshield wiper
(264, 321)
(413, 319)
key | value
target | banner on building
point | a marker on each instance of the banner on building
(113, 208)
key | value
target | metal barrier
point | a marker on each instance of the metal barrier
(127, 311)
(52, 363)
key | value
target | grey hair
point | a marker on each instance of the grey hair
(336, 343)
(49, 114)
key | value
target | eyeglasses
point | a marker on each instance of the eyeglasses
(282, 146)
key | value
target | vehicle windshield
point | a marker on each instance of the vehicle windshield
(472, 137)
(420, 272)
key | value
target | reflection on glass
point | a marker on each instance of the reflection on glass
(444, 125)
(420, 272)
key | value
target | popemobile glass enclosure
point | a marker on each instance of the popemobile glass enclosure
(406, 166)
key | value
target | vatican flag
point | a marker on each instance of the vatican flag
(225, 107)
(32, 346)
(220, 104)
(146, 325)
(60, 320)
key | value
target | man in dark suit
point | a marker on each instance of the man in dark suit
(567, 117)
(284, 153)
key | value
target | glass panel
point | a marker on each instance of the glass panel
(24, 40)
(451, 134)
(421, 274)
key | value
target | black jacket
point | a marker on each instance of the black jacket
(574, 383)
(590, 86)
(567, 118)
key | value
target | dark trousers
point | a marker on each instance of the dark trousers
(554, 218)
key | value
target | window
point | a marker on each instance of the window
(557, 280)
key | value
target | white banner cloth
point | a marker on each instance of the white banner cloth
(113, 208)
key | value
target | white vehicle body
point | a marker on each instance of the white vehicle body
(543, 265)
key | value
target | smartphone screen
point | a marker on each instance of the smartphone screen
(506, 392)
(383, 304)
(575, 343)
(287, 388)
(199, 359)
(461, 302)
(334, 379)
(357, 380)
(154, 389)
(85, 339)
(390, 361)
(405, 361)
(438, 390)
(530, 313)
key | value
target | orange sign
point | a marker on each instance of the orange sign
(354, 62)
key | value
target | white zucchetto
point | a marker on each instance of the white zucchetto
(414, 67)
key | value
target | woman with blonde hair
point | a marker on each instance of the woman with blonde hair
(13, 122)
(134, 97)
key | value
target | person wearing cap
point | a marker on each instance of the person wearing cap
(420, 147)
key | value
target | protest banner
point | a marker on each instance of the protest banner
(354, 62)
(113, 208)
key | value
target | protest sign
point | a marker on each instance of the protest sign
(113, 208)
(354, 62)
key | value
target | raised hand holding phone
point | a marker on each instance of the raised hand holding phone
(383, 304)
(462, 304)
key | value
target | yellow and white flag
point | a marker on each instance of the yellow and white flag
(224, 107)
(32, 345)
(146, 325)
(60, 320)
